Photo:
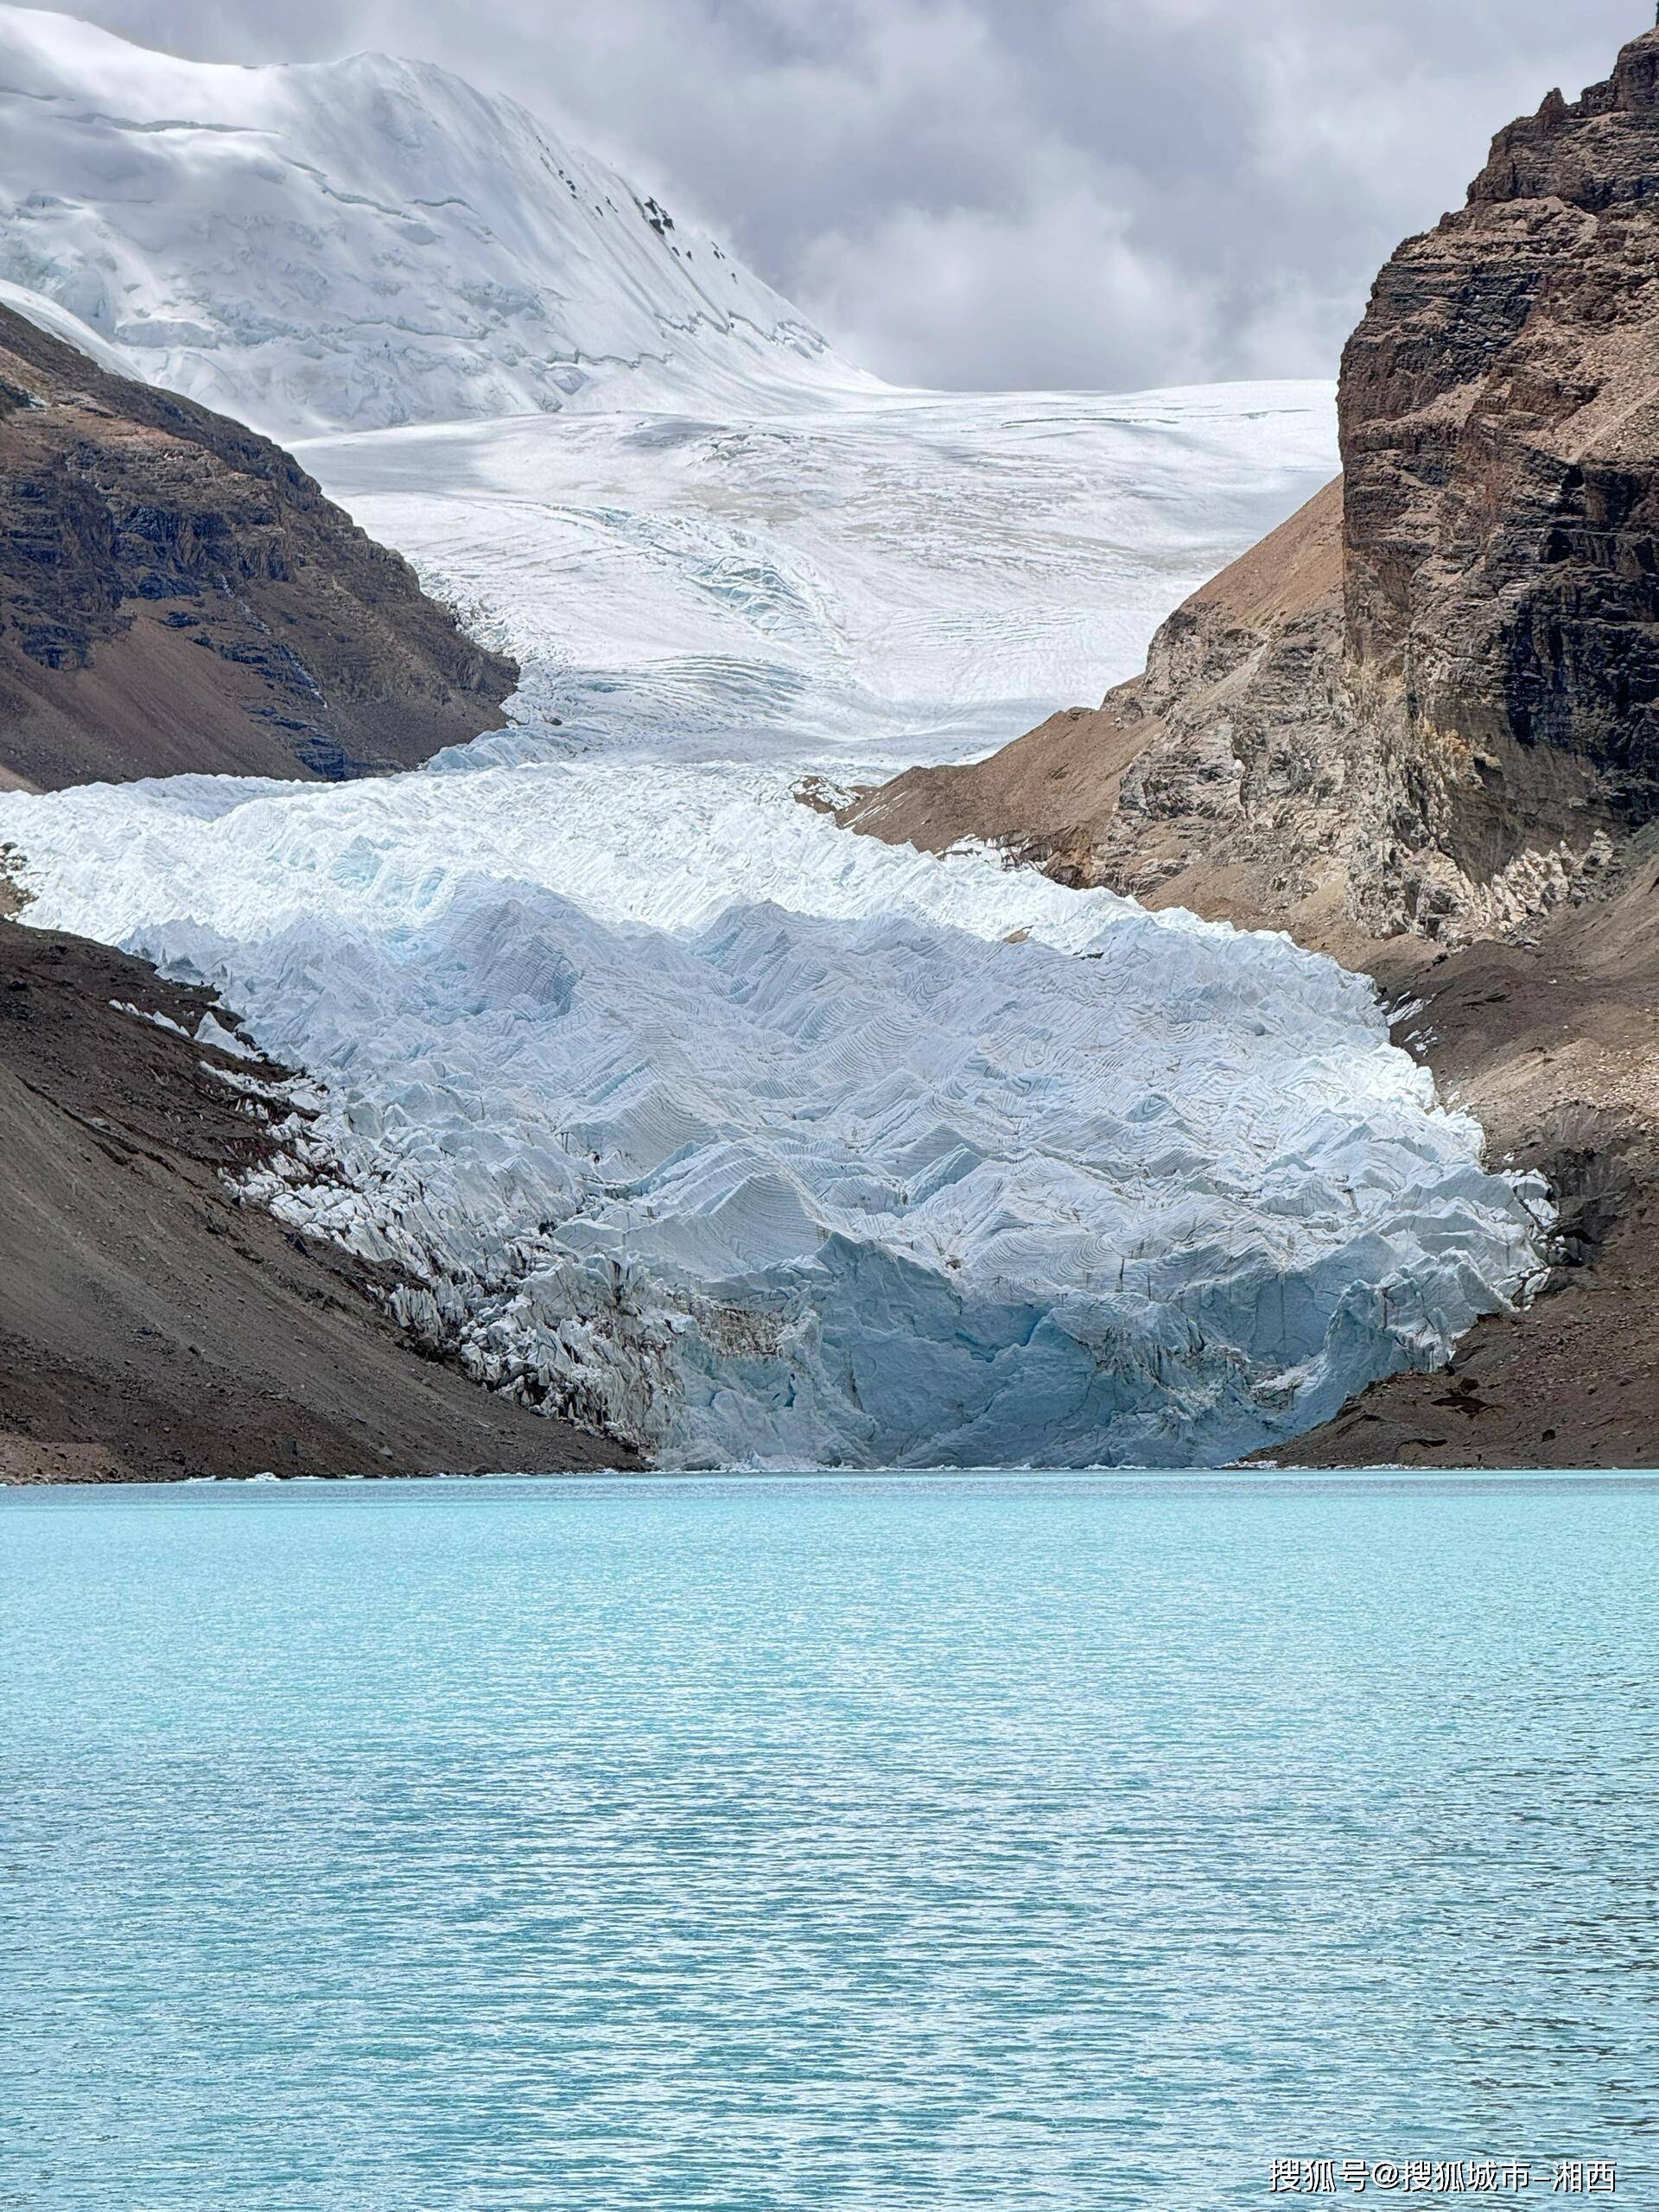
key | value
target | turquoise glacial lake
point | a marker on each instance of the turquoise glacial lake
(878, 1843)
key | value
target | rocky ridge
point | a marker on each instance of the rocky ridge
(1429, 704)
(176, 593)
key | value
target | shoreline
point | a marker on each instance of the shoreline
(1244, 1477)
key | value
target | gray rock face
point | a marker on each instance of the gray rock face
(1500, 429)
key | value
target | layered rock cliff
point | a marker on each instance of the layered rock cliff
(1429, 703)
(176, 593)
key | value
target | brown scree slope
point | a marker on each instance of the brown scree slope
(150, 1325)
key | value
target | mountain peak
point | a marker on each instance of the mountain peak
(358, 244)
(1589, 152)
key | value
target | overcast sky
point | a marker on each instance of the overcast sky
(997, 193)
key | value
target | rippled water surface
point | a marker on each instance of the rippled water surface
(888, 1843)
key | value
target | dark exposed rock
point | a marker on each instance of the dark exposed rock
(1500, 427)
(177, 594)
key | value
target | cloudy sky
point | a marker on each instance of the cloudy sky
(998, 192)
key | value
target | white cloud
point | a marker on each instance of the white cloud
(1056, 292)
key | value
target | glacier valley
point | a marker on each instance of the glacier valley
(684, 1112)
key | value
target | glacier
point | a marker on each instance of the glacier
(862, 579)
(679, 1110)
(698, 1120)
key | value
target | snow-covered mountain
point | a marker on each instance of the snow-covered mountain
(359, 243)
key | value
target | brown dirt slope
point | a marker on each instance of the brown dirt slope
(150, 1325)
(176, 593)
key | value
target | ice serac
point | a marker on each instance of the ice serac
(358, 242)
(748, 1141)
(1432, 703)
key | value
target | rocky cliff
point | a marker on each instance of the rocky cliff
(176, 593)
(1430, 703)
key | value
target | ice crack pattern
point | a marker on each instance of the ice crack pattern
(770, 1145)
